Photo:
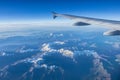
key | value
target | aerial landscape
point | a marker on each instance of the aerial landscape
(59, 40)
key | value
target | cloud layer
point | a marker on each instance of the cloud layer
(98, 71)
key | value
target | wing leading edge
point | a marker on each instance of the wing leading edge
(84, 21)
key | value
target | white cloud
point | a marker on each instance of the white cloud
(35, 60)
(36, 23)
(4, 68)
(59, 42)
(94, 54)
(98, 67)
(84, 44)
(56, 34)
(60, 35)
(50, 68)
(98, 72)
(85, 52)
(27, 50)
(116, 45)
(31, 69)
(46, 48)
(3, 54)
(93, 45)
(6, 54)
(44, 66)
(118, 58)
(66, 53)
(22, 50)
(51, 34)
(7, 34)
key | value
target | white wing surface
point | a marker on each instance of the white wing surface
(84, 21)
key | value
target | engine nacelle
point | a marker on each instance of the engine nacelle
(112, 33)
(81, 24)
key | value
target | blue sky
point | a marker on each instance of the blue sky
(41, 9)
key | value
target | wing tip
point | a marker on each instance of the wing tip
(54, 14)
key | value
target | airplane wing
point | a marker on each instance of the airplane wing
(84, 21)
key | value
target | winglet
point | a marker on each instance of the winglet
(54, 15)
